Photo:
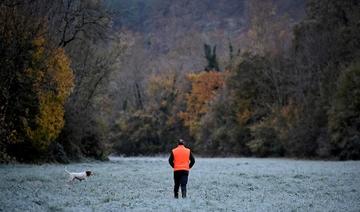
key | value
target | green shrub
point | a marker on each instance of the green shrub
(344, 115)
(265, 142)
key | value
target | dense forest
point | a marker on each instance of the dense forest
(265, 78)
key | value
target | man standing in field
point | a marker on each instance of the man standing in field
(182, 161)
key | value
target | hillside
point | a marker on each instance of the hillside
(167, 29)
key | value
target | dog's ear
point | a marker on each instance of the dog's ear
(88, 173)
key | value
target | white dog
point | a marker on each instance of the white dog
(78, 175)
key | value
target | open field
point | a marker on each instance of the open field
(143, 184)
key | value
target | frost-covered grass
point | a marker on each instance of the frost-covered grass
(145, 184)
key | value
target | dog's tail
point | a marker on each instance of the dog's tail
(66, 170)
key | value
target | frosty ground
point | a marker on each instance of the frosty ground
(145, 184)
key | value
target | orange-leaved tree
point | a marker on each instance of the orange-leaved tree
(204, 88)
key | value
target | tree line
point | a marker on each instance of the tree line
(292, 92)
(73, 87)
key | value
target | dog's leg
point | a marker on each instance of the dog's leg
(71, 179)
(77, 178)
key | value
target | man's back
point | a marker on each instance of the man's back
(181, 158)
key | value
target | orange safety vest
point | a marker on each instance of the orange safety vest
(181, 158)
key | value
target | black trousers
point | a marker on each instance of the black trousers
(180, 179)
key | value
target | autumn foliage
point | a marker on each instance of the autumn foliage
(32, 102)
(52, 83)
(204, 88)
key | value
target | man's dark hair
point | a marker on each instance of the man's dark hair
(181, 142)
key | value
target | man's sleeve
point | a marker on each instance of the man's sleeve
(171, 160)
(192, 160)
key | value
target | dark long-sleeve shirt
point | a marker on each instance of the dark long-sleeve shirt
(171, 160)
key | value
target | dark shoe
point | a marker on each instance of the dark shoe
(183, 194)
(176, 196)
